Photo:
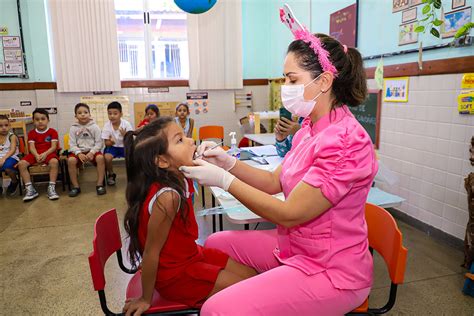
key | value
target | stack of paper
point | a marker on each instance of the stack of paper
(267, 150)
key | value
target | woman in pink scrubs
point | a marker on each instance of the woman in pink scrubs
(317, 261)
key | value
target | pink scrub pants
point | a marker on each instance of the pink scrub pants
(278, 289)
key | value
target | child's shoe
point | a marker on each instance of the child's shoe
(52, 195)
(111, 179)
(30, 194)
(100, 189)
(11, 190)
(74, 192)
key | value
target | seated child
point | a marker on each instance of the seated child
(112, 134)
(85, 143)
(182, 119)
(43, 144)
(161, 224)
(8, 155)
(152, 112)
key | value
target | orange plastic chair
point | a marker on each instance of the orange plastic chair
(212, 132)
(386, 239)
(107, 241)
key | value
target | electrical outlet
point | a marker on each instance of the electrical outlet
(463, 41)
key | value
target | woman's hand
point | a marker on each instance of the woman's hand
(284, 128)
(135, 306)
(216, 156)
(208, 174)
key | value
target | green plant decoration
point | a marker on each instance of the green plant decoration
(431, 21)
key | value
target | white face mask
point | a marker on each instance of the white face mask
(292, 97)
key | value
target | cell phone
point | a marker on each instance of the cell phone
(285, 113)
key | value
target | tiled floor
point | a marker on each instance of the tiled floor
(44, 269)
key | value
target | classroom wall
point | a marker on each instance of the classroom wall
(378, 33)
(35, 37)
(221, 102)
(426, 143)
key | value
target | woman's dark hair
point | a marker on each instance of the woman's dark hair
(141, 150)
(153, 108)
(83, 105)
(350, 85)
(182, 104)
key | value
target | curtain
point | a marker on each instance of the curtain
(215, 47)
(85, 48)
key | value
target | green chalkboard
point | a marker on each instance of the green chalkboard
(368, 115)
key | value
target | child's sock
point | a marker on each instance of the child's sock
(28, 184)
(52, 184)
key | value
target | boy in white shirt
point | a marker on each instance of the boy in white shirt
(112, 134)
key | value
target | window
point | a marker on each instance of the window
(152, 39)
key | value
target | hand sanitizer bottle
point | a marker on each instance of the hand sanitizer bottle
(233, 151)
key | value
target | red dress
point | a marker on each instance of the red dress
(186, 271)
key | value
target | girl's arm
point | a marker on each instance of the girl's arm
(159, 225)
(191, 128)
(266, 181)
(304, 203)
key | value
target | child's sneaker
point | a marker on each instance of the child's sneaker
(30, 194)
(52, 195)
(11, 190)
(74, 192)
(111, 179)
(100, 189)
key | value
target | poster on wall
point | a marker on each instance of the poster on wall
(395, 89)
(400, 5)
(407, 34)
(466, 102)
(414, 3)
(15, 68)
(98, 107)
(13, 55)
(1, 68)
(409, 15)
(11, 42)
(198, 102)
(454, 20)
(343, 27)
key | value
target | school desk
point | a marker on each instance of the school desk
(262, 139)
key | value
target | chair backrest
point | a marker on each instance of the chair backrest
(106, 242)
(211, 131)
(21, 145)
(386, 239)
(66, 141)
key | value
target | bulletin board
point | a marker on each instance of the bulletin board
(368, 115)
(166, 109)
(98, 107)
(12, 53)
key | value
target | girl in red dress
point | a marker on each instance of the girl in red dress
(161, 224)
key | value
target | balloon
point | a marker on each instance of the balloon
(195, 6)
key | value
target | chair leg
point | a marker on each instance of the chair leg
(63, 175)
(203, 197)
(214, 223)
(19, 185)
(221, 222)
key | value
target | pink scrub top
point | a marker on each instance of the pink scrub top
(336, 155)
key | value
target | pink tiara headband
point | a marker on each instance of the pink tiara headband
(301, 33)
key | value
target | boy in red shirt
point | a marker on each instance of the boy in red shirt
(42, 143)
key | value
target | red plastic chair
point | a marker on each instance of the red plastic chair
(107, 241)
(386, 239)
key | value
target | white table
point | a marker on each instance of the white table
(262, 139)
(239, 214)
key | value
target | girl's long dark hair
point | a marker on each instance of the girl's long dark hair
(141, 152)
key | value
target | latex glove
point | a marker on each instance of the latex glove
(208, 174)
(216, 156)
